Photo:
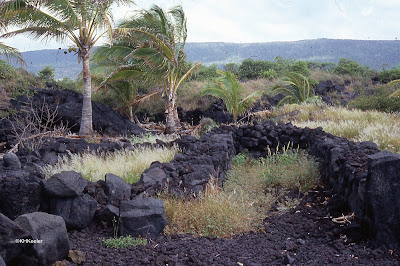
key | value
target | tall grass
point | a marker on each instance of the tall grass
(246, 197)
(356, 125)
(127, 164)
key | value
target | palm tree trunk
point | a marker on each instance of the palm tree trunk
(131, 114)
(172, 114)
(86, 121)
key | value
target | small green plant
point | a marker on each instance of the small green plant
(123, 242)
(228, 88)
(239, 159)
(206, 124)
(47, 74)
(290, 169)
(297, 90)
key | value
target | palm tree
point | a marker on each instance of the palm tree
(229, 89)
(10, 53)
(83, 22)
(298, 89)
(151, 45)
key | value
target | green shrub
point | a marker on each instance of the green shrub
(385, 76)
(6, 70)
(233, 68)
(68, 84)
(269, 74)
(350, 67)
(251, 69)
(17, 81)
(47, 74)
(379, 100)
(205, 72)
(300, 67)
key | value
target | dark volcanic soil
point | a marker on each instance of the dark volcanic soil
(303, 236)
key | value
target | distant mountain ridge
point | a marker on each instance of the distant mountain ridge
(373, 53)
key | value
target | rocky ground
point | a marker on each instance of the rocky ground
(303, 236)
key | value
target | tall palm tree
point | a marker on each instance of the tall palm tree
(151, 45)
(83, 22)
(10, 53)
(297, 90)
(228, 88)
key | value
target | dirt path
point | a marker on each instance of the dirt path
(303, 236)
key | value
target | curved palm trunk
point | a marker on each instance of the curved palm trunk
(172, 113)
(86, 121)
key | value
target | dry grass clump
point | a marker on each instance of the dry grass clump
(356, 125)
(262, 84)
(243, 203)
(127, 164)
(190, 97)
(292, 169)
(215, 213)
(151, 138)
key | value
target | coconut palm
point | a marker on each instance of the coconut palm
(297, 89)
(229, 89)
(10, 53)
(151, 45)
(83, 22)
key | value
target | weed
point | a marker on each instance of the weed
(123, 242)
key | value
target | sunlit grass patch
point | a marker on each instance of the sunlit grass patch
(151, 138)
(127, 164)
(356, 125)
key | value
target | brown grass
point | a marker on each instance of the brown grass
(246, 198)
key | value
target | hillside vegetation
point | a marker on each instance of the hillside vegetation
(375, 54)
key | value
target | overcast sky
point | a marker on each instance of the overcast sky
(244, 21)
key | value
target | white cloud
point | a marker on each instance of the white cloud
(272, 20)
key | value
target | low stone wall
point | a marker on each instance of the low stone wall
(188, 173)
(368, 179)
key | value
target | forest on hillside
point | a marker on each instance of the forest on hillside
(374, 54)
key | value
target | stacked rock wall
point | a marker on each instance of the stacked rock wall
(188, 173)
(368, 179)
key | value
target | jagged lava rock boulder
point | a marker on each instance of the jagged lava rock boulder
(142, 217)
(20, 195)
(65, 184)
(77, 212)
(11, 161)
(11, 251)
(69, 106)
(383, 190)
(51, 230)
(116, 189)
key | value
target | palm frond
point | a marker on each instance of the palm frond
(11, 54)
